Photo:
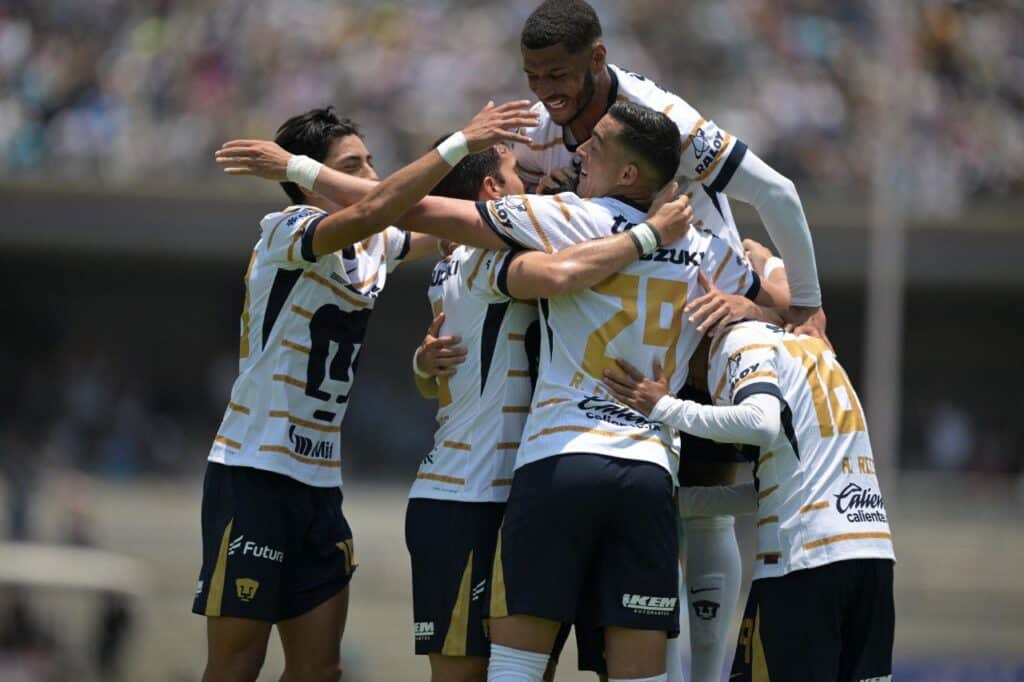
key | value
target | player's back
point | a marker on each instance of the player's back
(819, 499)
(482, 408)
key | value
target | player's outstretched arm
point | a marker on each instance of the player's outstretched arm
(534, 274)
(378, 205)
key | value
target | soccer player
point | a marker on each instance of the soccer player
(458, 499)
(821, 603)
(276, 546)
(565, 61)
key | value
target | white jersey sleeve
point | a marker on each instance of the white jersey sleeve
(287, 236)
(486, 274)
(396, 246)
(743, 363)
(543, 223)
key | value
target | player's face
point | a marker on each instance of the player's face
(603, 160)
(349, 155)
(561, 80)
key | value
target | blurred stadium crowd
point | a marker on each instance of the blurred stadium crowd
(130, 89)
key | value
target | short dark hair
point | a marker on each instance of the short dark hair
(570, 23)
(311, 134)
(465, 180)
(651, 135)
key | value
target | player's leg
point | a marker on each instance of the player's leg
(555, 508)
(637, 572)
(311, 642)
(451, 547)
(318, 568)
(870, 625)
(244, 534)
(674, 645)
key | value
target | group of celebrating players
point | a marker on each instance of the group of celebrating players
(605, 351)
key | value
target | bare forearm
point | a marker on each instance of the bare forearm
(581, 266)
(454, 219)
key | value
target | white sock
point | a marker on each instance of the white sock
(657, 678)
(515, 665)
(713, 574)
(674, 645)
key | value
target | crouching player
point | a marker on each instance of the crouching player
(821, 604)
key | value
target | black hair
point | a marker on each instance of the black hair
(570, 23)
(465, 180)
(311, 134)
(651, 135)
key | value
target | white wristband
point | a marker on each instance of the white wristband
(416, 368)
(454, 148)
(771, 265)
(303, 170)
(647, 236)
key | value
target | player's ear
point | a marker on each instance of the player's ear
(630, 175)
(598, 57)
(491, 189)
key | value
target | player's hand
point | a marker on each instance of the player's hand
(809, 321)
(438, 356)
(757, 253)
(715, 309)
(261, 158)
(670, 215)
(501, 123)
(558, 181)
(634, 389)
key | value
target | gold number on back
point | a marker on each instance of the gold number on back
(824, 377)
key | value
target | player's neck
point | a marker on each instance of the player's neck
(583, 125)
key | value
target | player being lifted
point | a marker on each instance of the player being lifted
(565, 60)
(276, 546)
(458, 499)
(821, 604)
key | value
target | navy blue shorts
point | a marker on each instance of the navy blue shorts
(273, 548)
(831, 623)
(451, 545)
(593, 536)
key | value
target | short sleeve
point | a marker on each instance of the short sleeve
(540, 223)
(287, 236)
(396, 246)
(710, 155)
(485, 274)
(744, 363)
(729, 271)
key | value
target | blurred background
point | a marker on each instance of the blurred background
(123, 250)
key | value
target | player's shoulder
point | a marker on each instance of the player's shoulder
(640, 89)
(747, 333)
(289, 216)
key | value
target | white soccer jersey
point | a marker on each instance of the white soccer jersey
(818, 499)
(710, 155)
(635, 314)
(483, 407)
(303, 323)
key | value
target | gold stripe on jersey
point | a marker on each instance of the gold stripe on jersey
(371, 279)
(476, 269)
(296, 346)
(223, 440)
(766, 492)
(721, 268)
(458, 623)
(766, 374)
(711, 353)
(284, 378)
(507, 445)
(518, 373)
(442, 479)
(565, 209)
(238, 408)
(668, 108)
(498, 482)
(823, 504)
(284, 414)
(541, 146)
(844, 537)
(216, 594)
(456, 445)
(302, 312)
(596, 432)
(243, 344)
(499, 602)
(718, 159)
(693, 133)
(341, 293)
(282, 450)
(536, 224)
(296, 236)
(516, 409)
(743, 283)
(764, 458)
(766, 520)
(516, 337)
(551, 401)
